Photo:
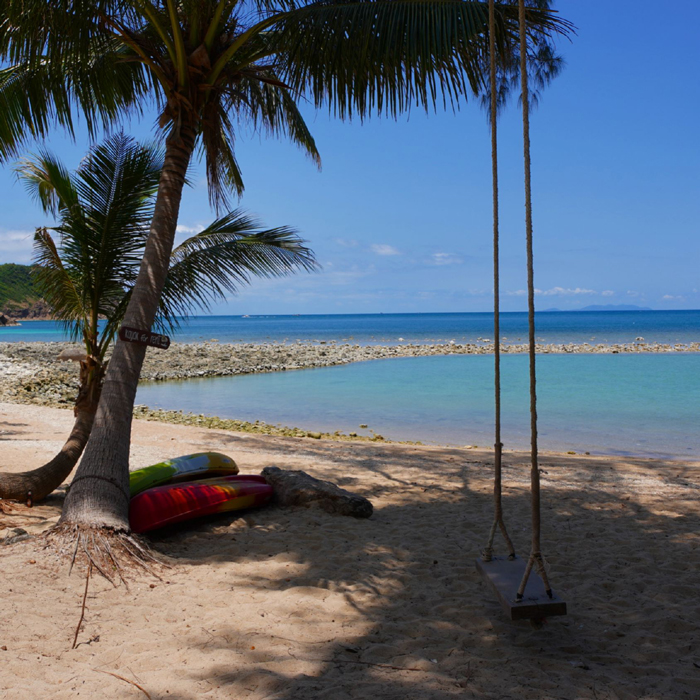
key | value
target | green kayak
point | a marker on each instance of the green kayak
(202, 465)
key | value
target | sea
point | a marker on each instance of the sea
(644, 405)
(382, 329)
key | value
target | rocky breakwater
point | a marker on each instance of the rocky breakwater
(32, 373)
(185, 361)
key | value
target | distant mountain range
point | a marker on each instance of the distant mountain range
(607, 307)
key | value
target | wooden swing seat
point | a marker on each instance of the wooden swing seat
(504, 575)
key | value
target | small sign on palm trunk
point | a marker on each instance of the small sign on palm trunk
(152, 340)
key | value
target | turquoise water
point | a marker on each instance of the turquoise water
(644, 405)
(552, 327)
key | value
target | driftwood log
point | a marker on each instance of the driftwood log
(297, 488)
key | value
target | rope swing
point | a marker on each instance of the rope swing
(536, 552)
(509, 576)
(498, 445)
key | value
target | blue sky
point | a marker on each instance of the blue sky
(400, 214)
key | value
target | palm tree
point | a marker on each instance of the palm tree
(208, 65)
(87, 275)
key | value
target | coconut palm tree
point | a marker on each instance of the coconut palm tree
(87, 269)
(209, 65)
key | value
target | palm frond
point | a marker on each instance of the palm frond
(386, 56)
(117, 183)
(262, 100)
(105, 210)
(48, 181)
(544, 64)
(57, 287)
(225, 256)
(218, 141)
(45, 82)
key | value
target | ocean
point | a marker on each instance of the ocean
(552, 327)
(645, 405)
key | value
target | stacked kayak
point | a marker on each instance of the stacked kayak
(159, 497)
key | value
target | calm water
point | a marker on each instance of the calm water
(646, 405)
(559, 327)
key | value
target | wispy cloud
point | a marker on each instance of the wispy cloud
(346, 242)
(445, 259)
(188, 230)
(607, 293)
(673, 297)
(15, 245)
(556, 292)
(383, 249)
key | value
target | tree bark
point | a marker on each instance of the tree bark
(35, 485)
(99, 494)
(39, 483)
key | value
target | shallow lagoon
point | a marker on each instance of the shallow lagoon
(644, 405)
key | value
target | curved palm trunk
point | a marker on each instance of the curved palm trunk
(99, 494)
(39, 483)
(35, 485)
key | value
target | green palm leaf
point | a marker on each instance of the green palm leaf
(36, 95)
(396, 53)
(59, 287)
(225, 256)
(105, 208)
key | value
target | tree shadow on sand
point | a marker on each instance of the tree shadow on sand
(392, 607)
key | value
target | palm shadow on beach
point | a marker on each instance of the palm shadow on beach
(8, 429)
(392, 607)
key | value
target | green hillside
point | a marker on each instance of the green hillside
(16, 285)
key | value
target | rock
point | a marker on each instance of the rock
(6, 321)
(297, 488)
(76, 353)
(17, 534)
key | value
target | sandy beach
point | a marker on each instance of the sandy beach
(288, 604)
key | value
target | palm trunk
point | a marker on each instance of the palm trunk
(35, 485)
(39, 483)
(99, 494)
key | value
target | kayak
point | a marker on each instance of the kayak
(186, 468)
(174, 503)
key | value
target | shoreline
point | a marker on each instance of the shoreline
(31, 374)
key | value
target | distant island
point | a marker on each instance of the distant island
(606, 307)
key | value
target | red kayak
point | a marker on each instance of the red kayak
(173, 503)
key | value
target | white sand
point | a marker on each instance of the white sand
(294, 604)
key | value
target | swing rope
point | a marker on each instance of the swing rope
(498, 446)
(535, 558)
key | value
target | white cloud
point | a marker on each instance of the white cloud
(607, 293)
(15, 246)
(346, 242)
(189, 230)
(671, 297)
(554, 292)
(445, 259)
(562, 292)
(383, 249)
